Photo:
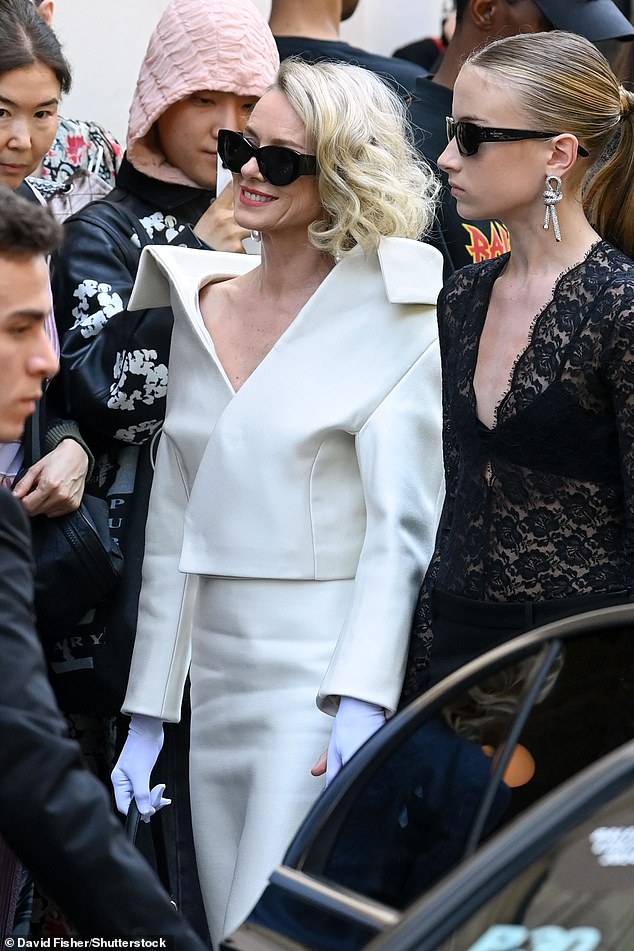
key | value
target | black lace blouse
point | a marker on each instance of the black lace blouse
(542, 505)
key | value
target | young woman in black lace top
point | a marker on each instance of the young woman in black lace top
(538, 354)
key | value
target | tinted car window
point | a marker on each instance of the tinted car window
(588, 712)
(578, 896)
(433, 798)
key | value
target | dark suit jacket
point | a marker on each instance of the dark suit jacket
(54, 813)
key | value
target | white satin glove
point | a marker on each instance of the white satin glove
(355, 722)
(131, 775)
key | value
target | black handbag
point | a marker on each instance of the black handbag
(77, 563)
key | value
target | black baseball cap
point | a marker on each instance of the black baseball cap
(595, 19)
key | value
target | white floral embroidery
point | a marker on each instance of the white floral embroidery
(141, 429)
(91, 294)
(137, 363)
(158, 223)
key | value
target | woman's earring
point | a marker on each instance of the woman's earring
(552, 195)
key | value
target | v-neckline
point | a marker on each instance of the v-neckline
(536, 320)
(209, 340)
(204, 332)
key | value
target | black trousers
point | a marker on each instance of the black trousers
(465, 628)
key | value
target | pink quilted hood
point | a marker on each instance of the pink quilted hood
(222, 45)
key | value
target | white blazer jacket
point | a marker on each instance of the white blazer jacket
(326, 464)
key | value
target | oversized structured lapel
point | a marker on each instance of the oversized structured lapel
(404, 272)
(412, 271)
(162, 268)
(357, 293)
(174, 276)
(313, 332)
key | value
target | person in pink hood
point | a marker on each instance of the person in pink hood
(206, 65)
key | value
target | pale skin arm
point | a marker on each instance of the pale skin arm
(54, 485)
(218, 228)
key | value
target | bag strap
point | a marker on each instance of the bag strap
(115, 211)
(35, 431)
(158, 841)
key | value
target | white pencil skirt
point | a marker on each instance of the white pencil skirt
(260, 649)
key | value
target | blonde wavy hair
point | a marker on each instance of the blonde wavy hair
(564, 83)
(371, 181)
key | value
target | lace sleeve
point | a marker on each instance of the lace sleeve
(422, 636)
(619, 315)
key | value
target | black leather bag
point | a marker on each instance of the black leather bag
(77, 566)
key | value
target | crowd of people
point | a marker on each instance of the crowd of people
(394, 434)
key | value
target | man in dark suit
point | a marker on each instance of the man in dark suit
(54, 813)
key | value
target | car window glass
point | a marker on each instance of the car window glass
(410, 823)
(575, 897)
(588, 712)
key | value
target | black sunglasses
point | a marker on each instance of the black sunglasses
(470, 136)
(278, 165)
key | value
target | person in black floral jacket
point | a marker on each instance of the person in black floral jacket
(537, 349)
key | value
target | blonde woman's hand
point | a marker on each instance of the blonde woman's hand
(131, 774)
(54, 485)
(319, 768)
(356, 721)
(218, 228)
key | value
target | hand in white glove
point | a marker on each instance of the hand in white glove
(355, 722)
(131, 775)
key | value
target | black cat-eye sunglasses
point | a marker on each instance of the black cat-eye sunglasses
(470, 136)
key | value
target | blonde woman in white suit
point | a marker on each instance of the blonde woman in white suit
(299, 475)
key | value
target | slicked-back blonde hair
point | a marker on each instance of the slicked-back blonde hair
(371, 181)
(564, 83)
